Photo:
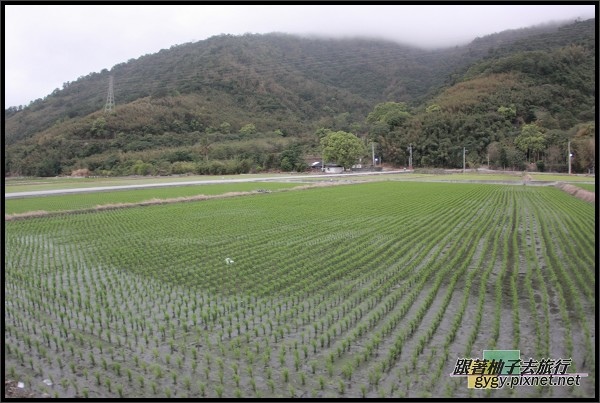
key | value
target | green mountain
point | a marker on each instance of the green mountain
(240, 103)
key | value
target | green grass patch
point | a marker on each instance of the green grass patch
(551, 177)
(474, 177)
(424, 177)
(90, 200)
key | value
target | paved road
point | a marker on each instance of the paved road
(17, 195)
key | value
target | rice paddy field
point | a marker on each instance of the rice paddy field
(371, 289)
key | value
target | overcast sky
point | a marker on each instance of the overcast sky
(47, 45)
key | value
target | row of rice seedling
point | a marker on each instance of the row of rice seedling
(578, 288)
(437, 363)
(580, 232)
(538, 301)
(487, 247)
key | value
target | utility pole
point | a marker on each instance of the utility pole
(569, 155)
(110, 99)
(410, 156)
(464, 160)
(373, 152)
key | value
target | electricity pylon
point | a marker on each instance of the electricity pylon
(110, 99)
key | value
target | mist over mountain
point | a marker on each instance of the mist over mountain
(244, 103)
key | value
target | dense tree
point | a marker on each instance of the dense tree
(205, 145)
(385, 122)
(531, 141)
(248, 129)
(392, 114)
(291, 159)
(584, 147)
(343, 148)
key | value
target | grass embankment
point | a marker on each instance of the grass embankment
(70, 202)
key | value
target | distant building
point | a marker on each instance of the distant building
(328, 168)
(333, 169)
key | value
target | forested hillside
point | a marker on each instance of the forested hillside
(516, 108)
(244, 103)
